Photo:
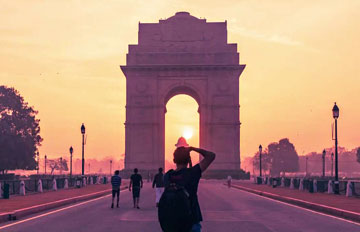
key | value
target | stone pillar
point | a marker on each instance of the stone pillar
(301, 185)
(66, 184)
(54, 185)
(39, 186)
(330, 187)
(22, 188)
(315, 186)
(349, 189)
(292, 183)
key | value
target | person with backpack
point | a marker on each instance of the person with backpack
(136, 183)
(158, 183)
(179, 209)
(116, 183)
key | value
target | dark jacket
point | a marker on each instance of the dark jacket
(158, 181)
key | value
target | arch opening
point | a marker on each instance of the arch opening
(181, 119)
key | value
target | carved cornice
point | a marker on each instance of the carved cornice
(181, 67)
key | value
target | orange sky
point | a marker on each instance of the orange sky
(301, 56)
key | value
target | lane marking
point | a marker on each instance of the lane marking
(55, 211)
(299, 207)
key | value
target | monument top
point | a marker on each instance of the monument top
(183, 39)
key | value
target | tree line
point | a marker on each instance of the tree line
(19, 132)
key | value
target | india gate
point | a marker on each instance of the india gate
(182, 55)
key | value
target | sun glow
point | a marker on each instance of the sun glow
(187, 133)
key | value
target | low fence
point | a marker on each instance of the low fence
(321, 185)
(32, 184)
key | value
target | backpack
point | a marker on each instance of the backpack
(174, 211)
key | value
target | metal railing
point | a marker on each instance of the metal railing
(31, 185)
(321, 184)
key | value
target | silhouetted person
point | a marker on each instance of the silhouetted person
(115, 182)
(136, 183)
(158, 183)
(179, 209)
(229, 179)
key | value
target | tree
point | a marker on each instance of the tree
(358, 155)
(284, 157)
(57, 164)
(19, 132)
(265, 161)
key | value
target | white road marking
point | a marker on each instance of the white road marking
(54, 211)
(299, 207)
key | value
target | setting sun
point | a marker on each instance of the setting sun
(187, 133)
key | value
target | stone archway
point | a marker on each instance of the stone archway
(182, 55)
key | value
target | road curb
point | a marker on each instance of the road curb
(353, 216)
(8, 216)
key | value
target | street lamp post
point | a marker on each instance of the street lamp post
(71, 153)
(61, 165)
(110, 167)
(335, 111)
(323, 165)
(260, 150)
(83, 143)
(332, 164)
(45, 163)
(38, 162)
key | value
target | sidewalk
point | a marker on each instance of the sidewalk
(34, 203)
(338, 205)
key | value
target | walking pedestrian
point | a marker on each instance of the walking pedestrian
(158, 183)
(229, 181)
(116, 183)
(136, 183)
(179, 209)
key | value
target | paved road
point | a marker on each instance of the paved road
(223, 210)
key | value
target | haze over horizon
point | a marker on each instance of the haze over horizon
(300, 58)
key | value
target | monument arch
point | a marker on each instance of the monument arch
(182, 55)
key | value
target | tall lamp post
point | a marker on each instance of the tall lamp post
(45, 162)
(323, 159)
(332, 164)
(71, 152)
(260, 150)
(38, 162)
(61, 165)
(110, 167)
(335, 111)
(83, 143)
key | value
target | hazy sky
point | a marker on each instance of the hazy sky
(301, 57)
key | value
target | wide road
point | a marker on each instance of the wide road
(223, 210)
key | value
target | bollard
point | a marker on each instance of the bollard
(349, 189)
(255, 179)
(22, 188)
(78, 183)
(292, 183)
(301, 185)
(330, 187)
(66, 184)
(282, 182)
(91, 180)
(274, 183)
(54, 186)
(39, 186)
(315, 186)
(259, 180)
